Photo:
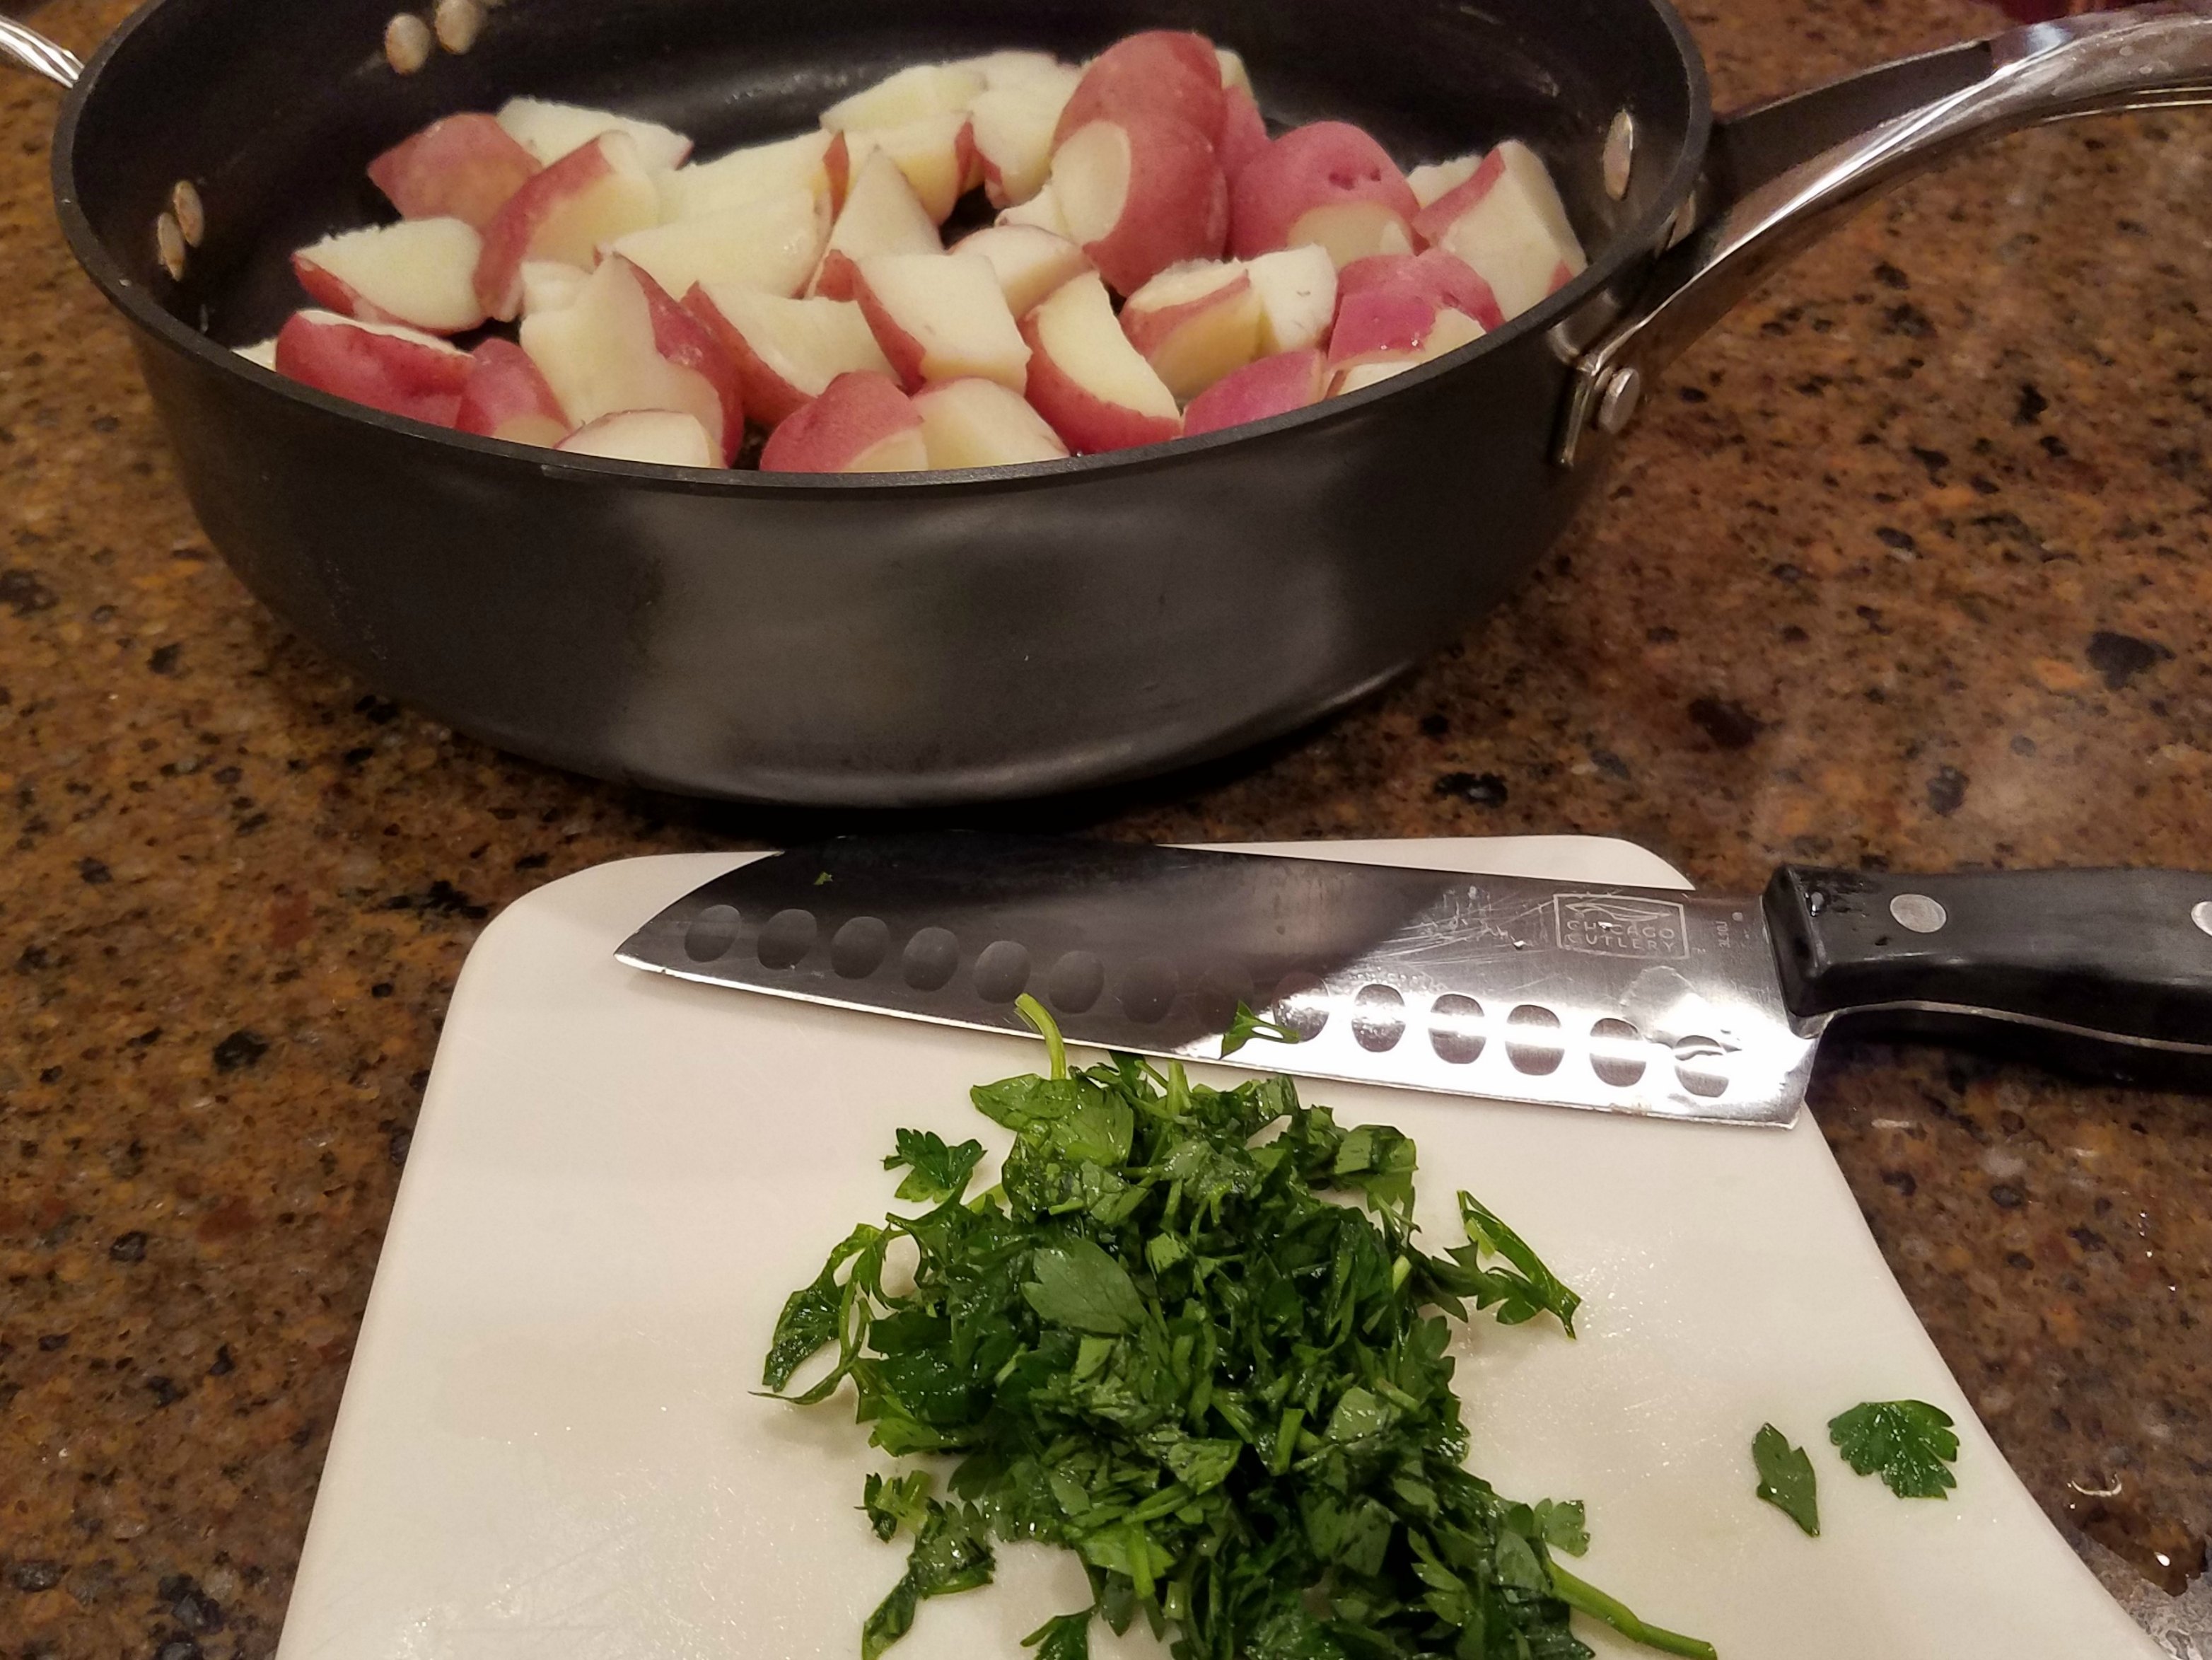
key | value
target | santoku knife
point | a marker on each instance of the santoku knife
(1667, 1003)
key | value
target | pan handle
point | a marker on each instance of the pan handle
(22, 44)
(1781, 176)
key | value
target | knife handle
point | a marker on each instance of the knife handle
(2109, 968)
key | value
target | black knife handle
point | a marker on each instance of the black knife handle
(2099, 956)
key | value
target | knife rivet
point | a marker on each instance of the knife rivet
(1918, 912)
(2202, 915)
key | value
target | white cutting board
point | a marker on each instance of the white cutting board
(549, 1449)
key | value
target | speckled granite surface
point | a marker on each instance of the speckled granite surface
(1910, 562)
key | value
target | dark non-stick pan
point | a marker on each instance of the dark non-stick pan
(900, 639)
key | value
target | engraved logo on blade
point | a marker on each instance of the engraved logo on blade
(1608, 925)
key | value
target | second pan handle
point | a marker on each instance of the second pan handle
(21, 44)
(1782, 175)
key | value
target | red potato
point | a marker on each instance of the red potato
(936, 153)
(1013, 127)
(1159, 72)
(772, 243)
(1448, 330)
(1326, 183)
(462, 167)
(1508, 222)
(1012, 67)
(262, 354)
(1379, 322)
(1194, 324)
(787, 351)
(1297, 297)
(1273, 386)
(588, 198)
(1087, 381)
(926, 89)
(861, 423)
(399, 371)
(1031, 262)
(1041, 211)
(941, 316)
(746, 175)
(663, 438)
(549, 131)
(1442, 278)
(881, 215)
(550, 284)
(1140, 192)
(978, 423)
(1434, 179)
(1234, 78)
(624, 344)
(1243, 136)
(419, 272)
(507, 398)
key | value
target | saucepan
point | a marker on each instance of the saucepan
(910, 640)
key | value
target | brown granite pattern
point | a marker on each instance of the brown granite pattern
(1909, 562)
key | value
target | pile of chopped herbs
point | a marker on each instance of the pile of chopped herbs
(1161, 1342)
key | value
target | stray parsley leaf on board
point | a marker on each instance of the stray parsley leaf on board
(1908, 1443)
(1190, 1338)
(1785, 1478)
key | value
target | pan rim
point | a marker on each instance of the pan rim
(1638, 239)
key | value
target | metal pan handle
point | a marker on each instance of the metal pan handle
(21, 44)
(1782, 175)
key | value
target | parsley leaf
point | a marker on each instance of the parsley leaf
(1190, 1337)
(1908, 1443)
(937, 1172)
(1248, 1025)
(1785, 1478)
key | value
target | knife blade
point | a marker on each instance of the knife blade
(1659, 1002)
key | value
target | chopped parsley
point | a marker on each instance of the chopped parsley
(1785, 1478)
(1189, 1336)
(1908, 1443)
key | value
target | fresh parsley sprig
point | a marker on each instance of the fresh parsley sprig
(1908, 1443)
(1162, 1343)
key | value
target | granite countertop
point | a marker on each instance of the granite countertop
(1910, 562)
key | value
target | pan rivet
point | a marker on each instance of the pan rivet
(191, 217)
(2202, 915)
(1620, 154)
(458, 22)
(1616, 405)
(1918, 912)
(407, 43)
(169, 245)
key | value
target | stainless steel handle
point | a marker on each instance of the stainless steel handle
(22, 44)
(1782, 175)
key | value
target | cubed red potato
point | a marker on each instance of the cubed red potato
(663, 438)
(1194, 324)
(1234, 78)
(462, 167)
(1012, 126)
(861, 422)
(550, 284)
(262, 354)
(1447, 332)
(419, 272)
(1326, 183)
(507, 398)
(926, 89)
(1442, 278)
(1273, 386)
(1031, 262)
(1140, 192)
(1243, 136)
(1297, 288)
(1159, 72)
(881, 215)
(746, 175)
(936, 153)
(978, 423)
(1012, 67)
(787, 351)
(1508, 222)
(550, 131)
(1041, 211)
(624, 344)
(591, 196)
(1432, 179)
(1094, 388)
(941, 316)
(400, 371)
(772, 243)
(1379, 322)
